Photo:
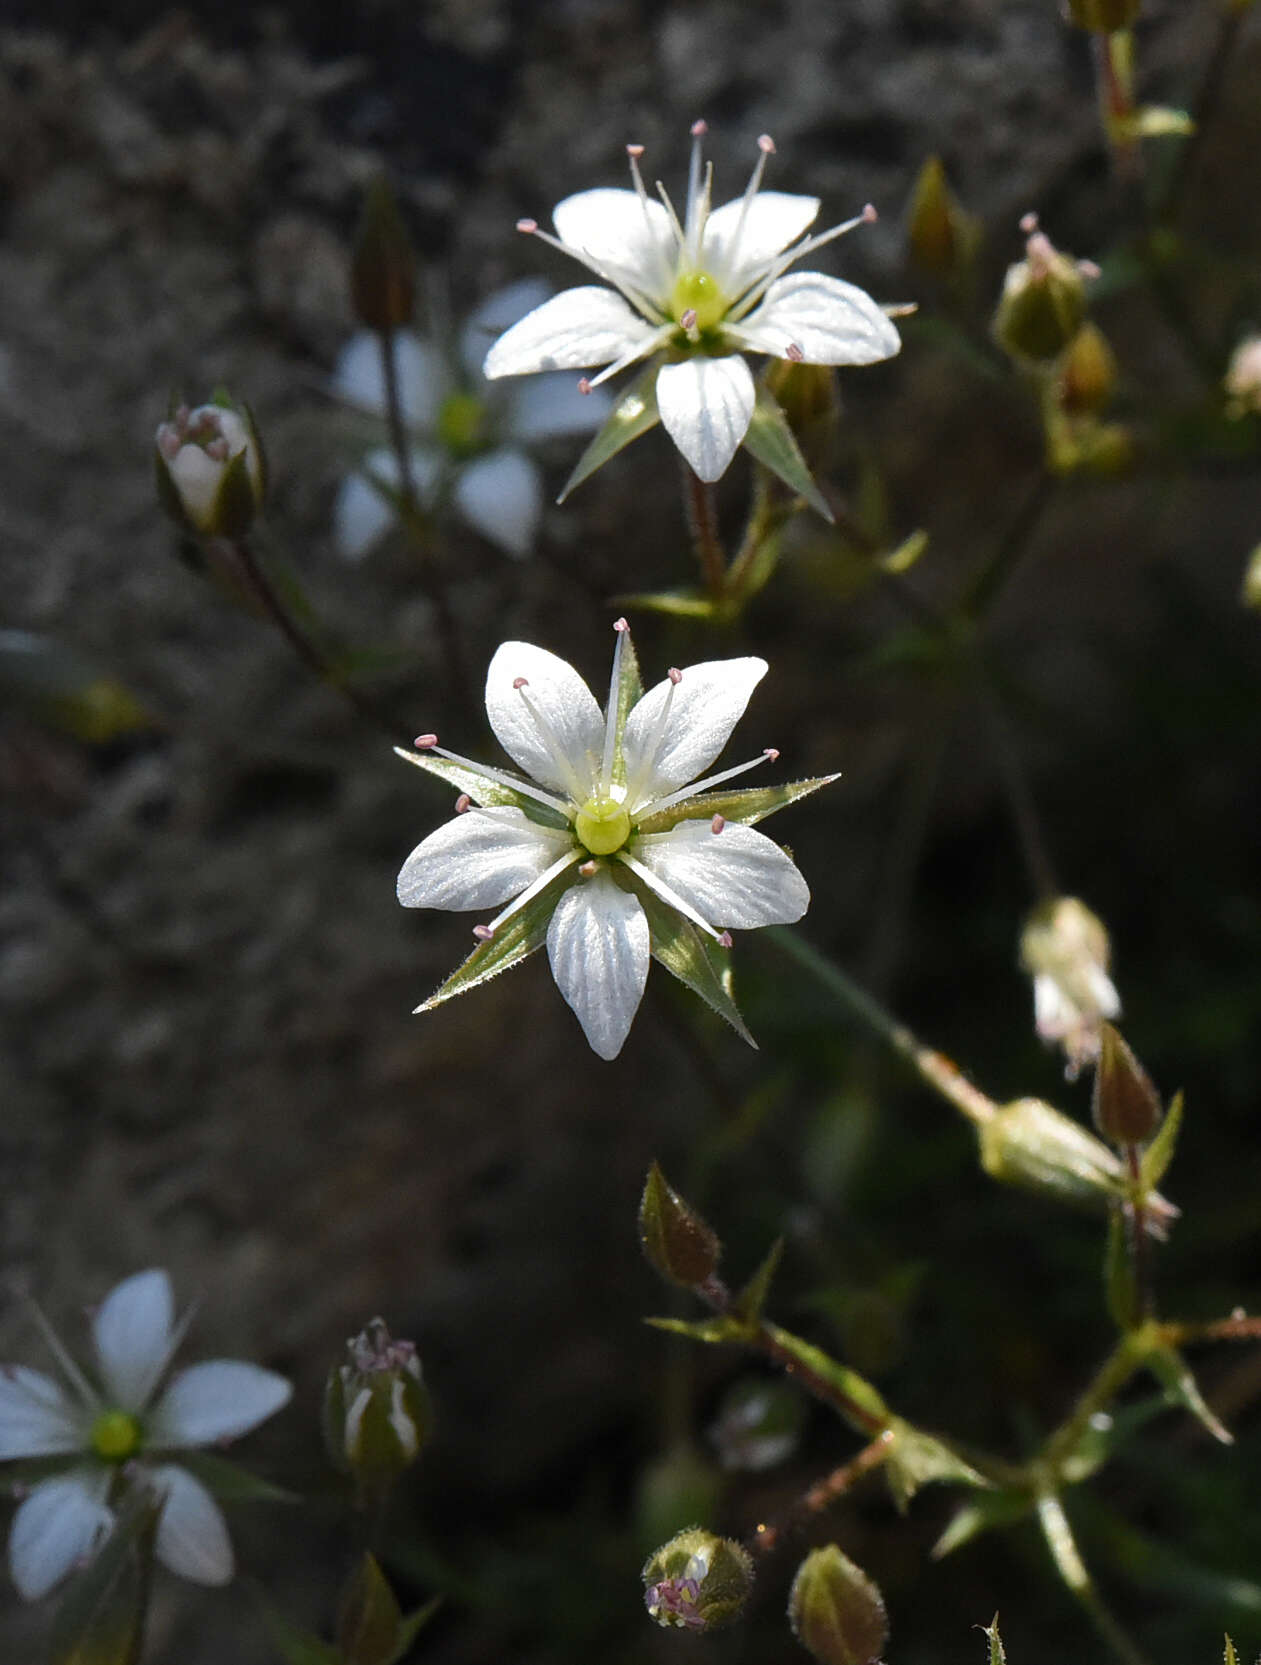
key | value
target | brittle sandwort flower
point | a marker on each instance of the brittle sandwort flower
(602, 849)
(211, 471)
(1064, 947)
(693, 294)
(119, 1432)
(472, 440)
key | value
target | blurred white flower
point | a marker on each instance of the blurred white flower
(118, 1431)
(694, 293)
(211, 471)
(605, 851)
(1065, 949)
(470, 437)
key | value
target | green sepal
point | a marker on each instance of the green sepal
(514, 941)
(1229, 1656)
(980, 1514)
(101, 1618)
(1159, 1154)
(633, 414)
(295, 1646)
(747, 807)
(231, 1484)
(771, 441)
(698, 963)
(371, 1629)
(920, 1459)
(235, 502)
(679, 604)
(481, 789)
(847, 1383)
(749, 1302)
(1172, 1370)
(1119, 1284)
(996, 1653)
(712, 1331)
(630, 690)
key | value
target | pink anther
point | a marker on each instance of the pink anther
(528, 226)
(675, 675)
(483, 933)
(463, 804)
(423, 742)
(794, 352)
(635, 150)
(584, 384)
(699, 129)
(724, 941)
(869, 214)
(766, 144)
(717, 824)
(520, 682)
(771, 754)
(620, 625)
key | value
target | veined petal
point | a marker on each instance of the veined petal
(362, 512)
(192, 1538)
(575, 329)
(705, 405)
(498, 312)
(423, 378)
(217, 1400)
(598, 947)
(37, 1419)
(621, 231)
(832, 322)
(132, 1331)
(479, 860)
(57, 1526)
(548, 407)
(677, 730)
(773, 220)
(551, 726)
(501, 496)
(734, 878)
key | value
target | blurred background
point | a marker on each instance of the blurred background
(209, 1061)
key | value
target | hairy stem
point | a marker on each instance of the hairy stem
(766, 1537)
(702, 521)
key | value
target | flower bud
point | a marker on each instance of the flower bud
(1250, 595)
(1065, 949)
(383, 264)
(210, 469)
(1042, 304)
(1032, 1144)
(676, 1240)
(1126, 1106)
(1104, 17)
(377, 1411)
(1243, 378)
(697, 1581)
(1088, 373)
(941, 236)
(836, 1611)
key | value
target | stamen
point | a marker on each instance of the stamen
(794, 352)
(550, 738)
(645, 349)
(483, 933)
(677, 229)
(69, 1369)
(1029, 224)
(501, 777)
(463, 804)
(687, 323)
(745, 303)
(584, 384)
(667, 894)
(620, 279)
(724, 940)
(770, 755)
(529, 227)
(589, 869)
(613, 709)
(717, 824)
(532, 890)
(766, 147)
(675, 675)
(699, 128)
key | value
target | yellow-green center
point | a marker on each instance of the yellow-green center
(115, 1435)
(462, 423)
(697, 292)
(603, 825)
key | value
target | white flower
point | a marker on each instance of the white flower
(119, 1433)
(470, 436)
(605, 851)
(1065, 949)
(210, 469)
(696, 293)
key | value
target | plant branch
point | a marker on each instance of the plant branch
(702, 521)
(765, 1538)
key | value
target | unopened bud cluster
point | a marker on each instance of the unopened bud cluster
(697, 1581)
(210, 469)
(377, 1411)
(1043, 301)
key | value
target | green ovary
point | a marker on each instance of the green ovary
(115, 1436)
(697, 292)
(603, 825)
(462, 424)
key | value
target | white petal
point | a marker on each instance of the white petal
(36, 1417)
(832, 322)
(57, 1526)
(197, 478)
(361, 513)
(774, 219)
(562, 745)
(215, 1401)
(575, 329)
(132, 1333)
(501, 496)
(545, 407)
(494, 315)
(423, 378)
(598, 947)
(192, 1535)
(737, 877)
(700, 713)
(621, 231)
(705, 405)
(478, 860)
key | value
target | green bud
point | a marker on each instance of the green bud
(1104, 17)
(1126, 1106)
(697, 1581)
(1043, 301)
(1088, 373)
(210, 469)
(942, 237)
(1251, 593)
(377, 1411)
(836, 1611)
(809, 396)
(1032, 1144)
(383, 264)
(676, 1240)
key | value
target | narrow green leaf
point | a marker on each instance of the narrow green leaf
(770, 439)
(514, 941)
(713, 1331)
(479, 788)
(904, 557)
(101, 1617)
(369, 1616)
(997, 1656)
(847, 1383)
(411, 1628)
(633, 414)
(752, 804)
(295, 1646)
(678, 604)
(630, 690)
(921, 1459)
(749, 1302)
(231, 1484)
(1159, 1154)
(1118, 1273)
(1170, 1368)
(698, 963)
(980, 1514)
(1229, 1656)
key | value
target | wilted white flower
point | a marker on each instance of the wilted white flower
(119, 1431)
(211, 471)
(1065, 949)
(470, 437)
(1243, 378)
(694, 294)
(605, 852)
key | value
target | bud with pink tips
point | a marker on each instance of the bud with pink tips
(210, 469)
